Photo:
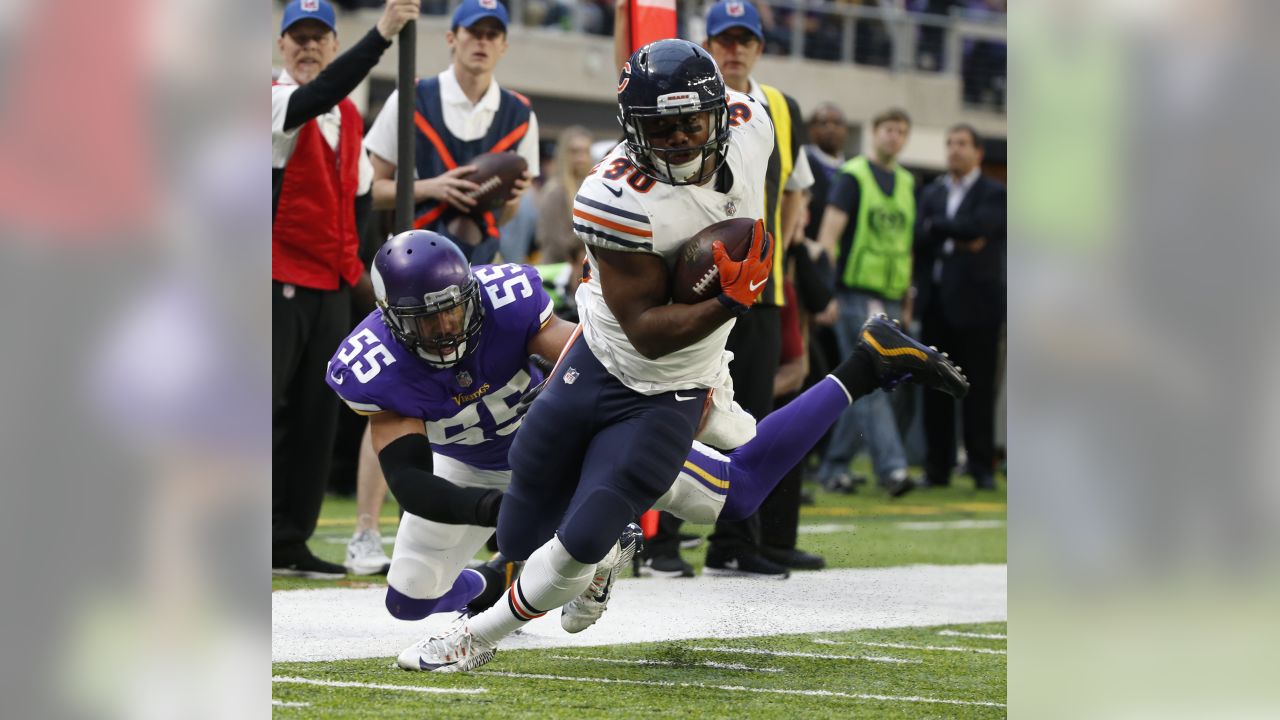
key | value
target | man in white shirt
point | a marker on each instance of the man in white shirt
(460, 113)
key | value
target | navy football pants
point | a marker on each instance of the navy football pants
(590, 457)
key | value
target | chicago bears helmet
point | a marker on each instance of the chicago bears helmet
(671, 78)
(428, 295)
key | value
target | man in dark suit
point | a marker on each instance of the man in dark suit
(960, 279)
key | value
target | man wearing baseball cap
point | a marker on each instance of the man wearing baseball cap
(319, 171)
(461, 113)
(735, 38)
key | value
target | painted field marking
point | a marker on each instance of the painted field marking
(281, 703)
(376, 686)
(343, 540)
(951, 525)
(708, 663)
(904, 646)
(741, 688)
(391, 520)
(895, 509)
(827, 528)
(984, 636)
(786, 653)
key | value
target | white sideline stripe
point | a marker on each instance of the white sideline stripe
(377, 686)
(903, 646)
(708, 663)
(281, 703)
(984, 636)
(828, 528)
(741, 688)
(950, 525)
(340, 623)
(787, 653)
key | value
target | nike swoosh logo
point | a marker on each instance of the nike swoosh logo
(756, 286)
(682, 399)
(616, 193)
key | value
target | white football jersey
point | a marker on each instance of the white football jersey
(619, 208)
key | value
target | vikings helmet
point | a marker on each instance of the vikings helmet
(428, 296)
(672, 78)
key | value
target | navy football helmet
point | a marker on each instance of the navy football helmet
(428, 296)
(672, 78)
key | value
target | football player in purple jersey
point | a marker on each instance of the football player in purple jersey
(440, 367)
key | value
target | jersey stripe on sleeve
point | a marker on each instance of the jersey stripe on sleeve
(362, 408)
(635, 217)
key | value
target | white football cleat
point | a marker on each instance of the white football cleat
(457, 650)
(365, 555)
(583, 611)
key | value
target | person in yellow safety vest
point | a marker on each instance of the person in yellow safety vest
(868, 229)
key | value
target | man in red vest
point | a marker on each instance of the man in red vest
(320, 178)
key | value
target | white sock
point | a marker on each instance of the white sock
(551, 578)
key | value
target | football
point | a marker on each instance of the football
(496, 174)
(696, 277)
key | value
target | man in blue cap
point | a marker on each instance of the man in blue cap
(735, 40)
(461, 113)
(318, 173)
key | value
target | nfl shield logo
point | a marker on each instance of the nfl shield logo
(464, 379)
(310, 5)
(488, 4)
(734, 9)
(570, 376)
(730, 207)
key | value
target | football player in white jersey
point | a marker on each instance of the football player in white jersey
(616, 421)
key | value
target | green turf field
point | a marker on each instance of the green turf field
(905, 672)
(863, 530)
(849, 674)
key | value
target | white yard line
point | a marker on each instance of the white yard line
(377, 686)
(349, 623)
(827, 528)
(708, 663)
(984, 636)
(951, 525)
(787, 653)
(904, 646)
(281, 703)
(740, 688)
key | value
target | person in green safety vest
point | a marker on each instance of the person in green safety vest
(868, 228)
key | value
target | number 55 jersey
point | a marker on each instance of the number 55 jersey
(469, 408)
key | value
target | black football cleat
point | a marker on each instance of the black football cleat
(897, 357)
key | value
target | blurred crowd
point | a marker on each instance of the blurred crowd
(879, 33)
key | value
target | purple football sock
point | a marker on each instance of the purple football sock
(468, 585)
(782, 440)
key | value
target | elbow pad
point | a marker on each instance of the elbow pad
(406, 463)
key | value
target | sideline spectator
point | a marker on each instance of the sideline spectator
(319, 174)
(735, 39)
(867, 227)
(960, 247)
(555, 208)
(461, 113)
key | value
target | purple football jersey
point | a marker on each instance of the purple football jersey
(469, 409)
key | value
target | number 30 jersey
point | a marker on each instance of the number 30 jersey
(468, 409)
(619, 208)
